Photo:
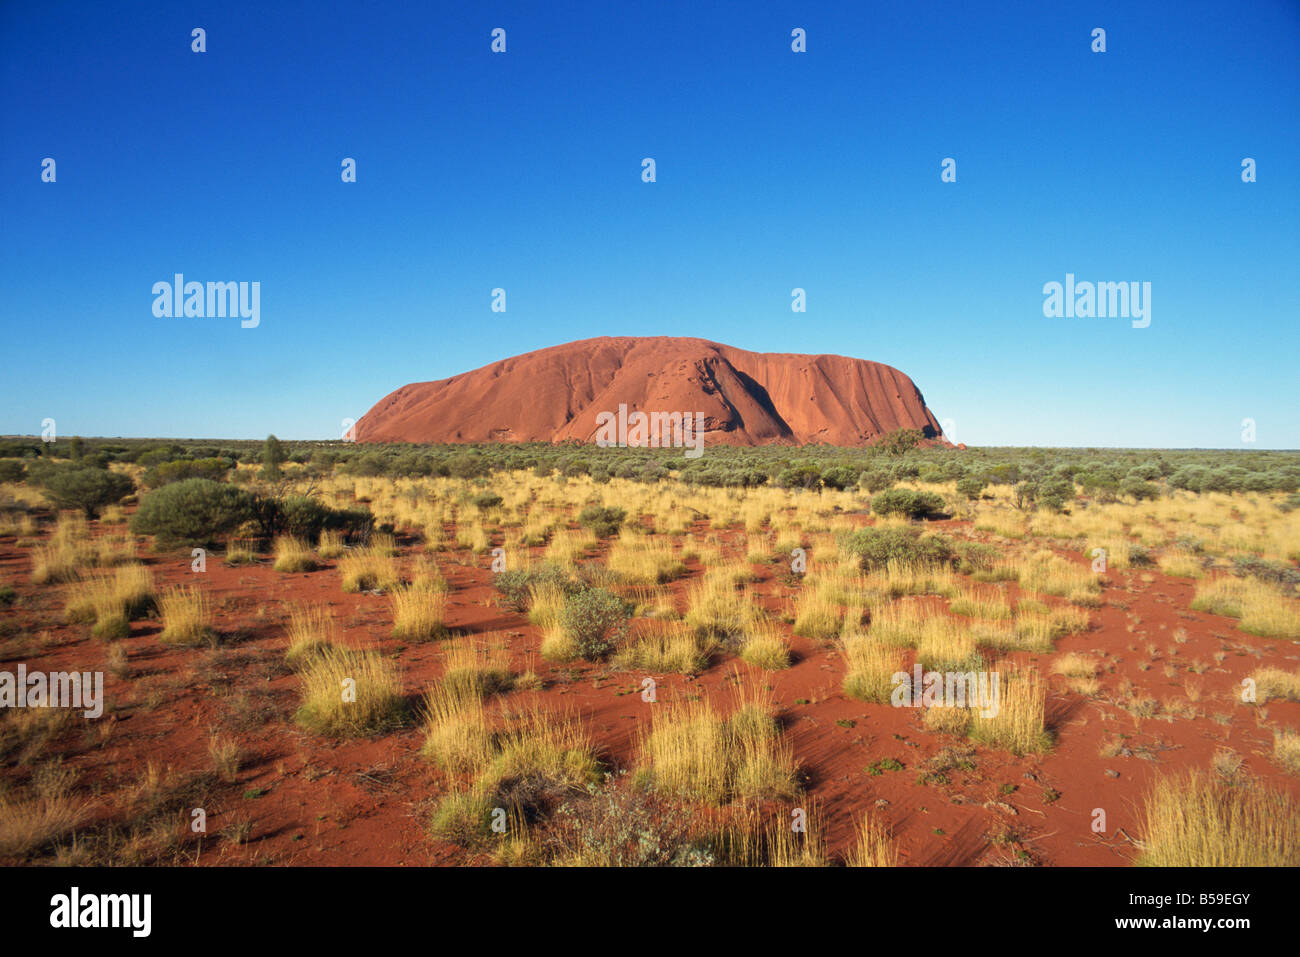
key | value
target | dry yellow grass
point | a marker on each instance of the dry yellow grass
(72, 548)
(331, 544)
(477, 668)
(817, 613)
(1181, 564)
(349, 692)
(693, 752)
(1018, 725)
(1191, 820)
(873, 847)
(293, 555)
(947, 645)
(637, 560)
(419, 614)
(311, 630)
(1271, 683)
(976, 603)
(1048, 573)
(1263, 610)
(665, 646)
(717, 609)
(50, 814)
(186, 615)
(1286, 750)
(764, 646)
(870, 666)
(369, 569)
(110, 602)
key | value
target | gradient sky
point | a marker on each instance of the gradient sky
(775, 170)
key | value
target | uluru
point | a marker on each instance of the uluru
(739, 397)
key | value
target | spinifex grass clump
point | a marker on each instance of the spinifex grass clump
(332, 544)
(311, 631)
(640, 561)
(472, 668)
(818, 614)
(972, 603)
(870, 666)
(110, 602)
(1048, 573)
(1192, 820)
(72, 549)
(370, 569)
(693, 752)
(1263, 609)
(419, 614)
(186, 615)
(293, 555)
(1018, 724)
(874, 847)
(346, 692)
(717, 609)
(665, 646)
(522, 762)
(765, 647)
(1274, 683)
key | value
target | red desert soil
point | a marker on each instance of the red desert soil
(746, 398)
(310, 800)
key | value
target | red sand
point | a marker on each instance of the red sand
(366, 801)
(747, 398)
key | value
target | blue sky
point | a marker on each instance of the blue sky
(775, 170)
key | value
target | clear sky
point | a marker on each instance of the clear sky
(775, 170)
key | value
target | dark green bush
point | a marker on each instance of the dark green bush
(971, 487)
(590, 617)
(81, 486)
(604, 520)
(1139, 490)
(904, 501)
(178, 469)
(194, 512)
(514, 584)
(11, 470)
(876, 547)
(486, 500)
(875, 480)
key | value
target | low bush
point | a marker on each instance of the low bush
(903, 501)
(194, 512)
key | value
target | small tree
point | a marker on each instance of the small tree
(901, 441)
(971, 487)
(273, 456)
(86, 488)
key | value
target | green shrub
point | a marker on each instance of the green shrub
(589, 617)
(165, 472)
(11, 470)
(601, 519)
(515, 584)
(970, 487)
(195, 512)
(876, 547)
(84, 487)
(486, 500)
(875, 480)
(904, 501)
(1139, 489)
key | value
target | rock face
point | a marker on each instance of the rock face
(745, 398)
